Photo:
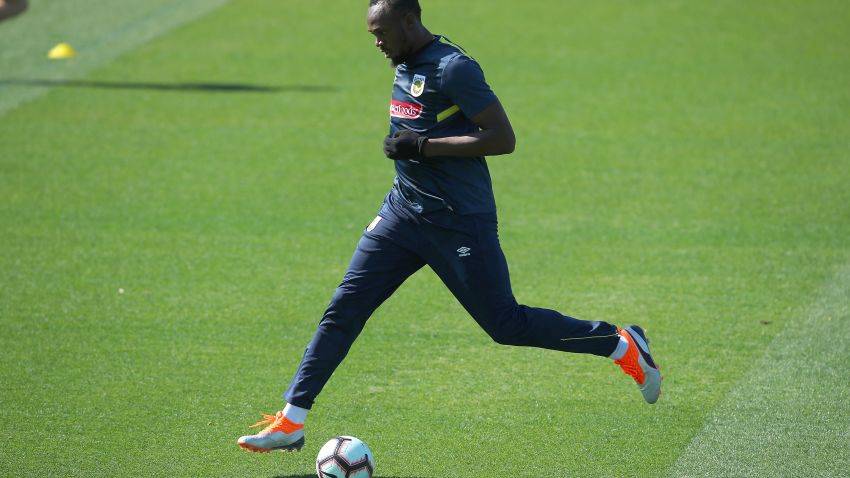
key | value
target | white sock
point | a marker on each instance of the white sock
(621, 349)
(295, 414)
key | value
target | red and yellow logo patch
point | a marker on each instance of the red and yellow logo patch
(400, 109)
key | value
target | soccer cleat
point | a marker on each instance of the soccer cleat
(638, 363)
(280, 434)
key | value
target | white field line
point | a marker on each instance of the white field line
(790, 415)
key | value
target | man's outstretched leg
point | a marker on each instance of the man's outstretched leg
(479, 279)
(378, 268)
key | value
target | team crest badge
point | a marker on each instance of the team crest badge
(417, 86)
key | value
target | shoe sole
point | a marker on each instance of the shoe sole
(651, 388)
(292, 447)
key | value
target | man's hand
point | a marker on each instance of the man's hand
(405, 145)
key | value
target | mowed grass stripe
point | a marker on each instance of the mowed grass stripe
(99, 31)
(788, 416)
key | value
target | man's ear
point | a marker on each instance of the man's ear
(409, 20)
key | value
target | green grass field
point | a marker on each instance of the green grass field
(178, 202)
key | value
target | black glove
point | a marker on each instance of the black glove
(405, 145)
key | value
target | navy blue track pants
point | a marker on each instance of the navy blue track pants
(464, 251)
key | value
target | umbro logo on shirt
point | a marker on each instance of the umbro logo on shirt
(463, 251)
(400, 109)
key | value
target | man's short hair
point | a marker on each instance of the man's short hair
(402, 7)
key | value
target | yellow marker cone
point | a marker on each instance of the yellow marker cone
(61, 52)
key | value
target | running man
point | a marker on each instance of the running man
(11, 8)
(440, 212)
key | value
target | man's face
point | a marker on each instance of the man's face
(391, 31)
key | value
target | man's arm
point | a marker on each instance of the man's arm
(496, 137)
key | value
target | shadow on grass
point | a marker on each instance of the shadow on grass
(156, 86)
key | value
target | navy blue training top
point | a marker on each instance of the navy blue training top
(435, 93)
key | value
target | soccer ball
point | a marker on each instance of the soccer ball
(345, 457)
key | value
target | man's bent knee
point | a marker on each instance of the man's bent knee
(507, 326)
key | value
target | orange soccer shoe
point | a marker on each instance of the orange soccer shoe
(280, 434)
(638, 363)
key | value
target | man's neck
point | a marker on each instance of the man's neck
(423, 38)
